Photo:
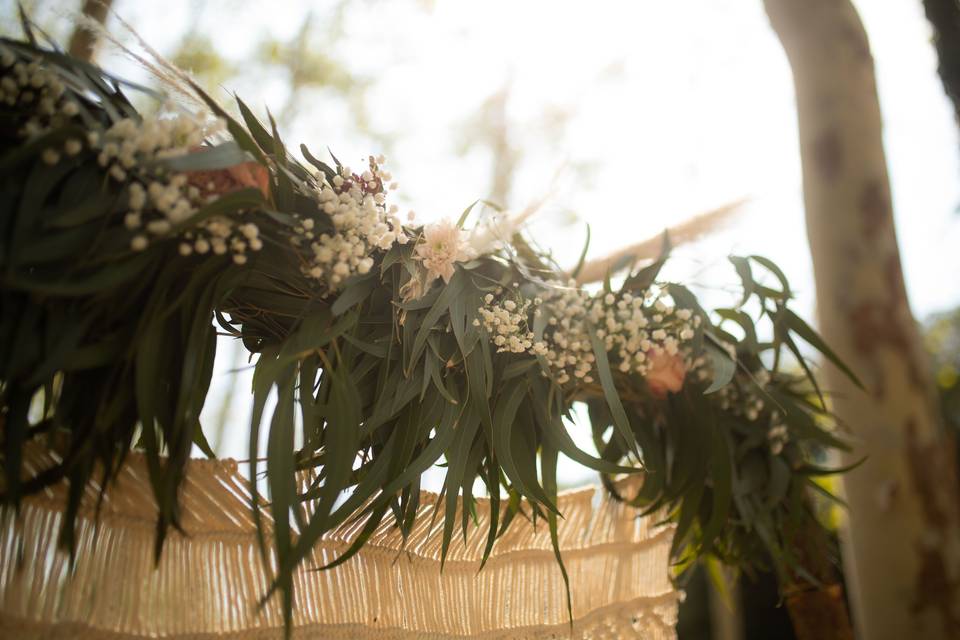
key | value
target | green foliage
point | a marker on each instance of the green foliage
(733, 495)
(119, 345)
(942, 341)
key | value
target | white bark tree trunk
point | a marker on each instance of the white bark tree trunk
(903, 551)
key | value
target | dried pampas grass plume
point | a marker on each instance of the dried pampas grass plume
(649, 249)
(176, 83)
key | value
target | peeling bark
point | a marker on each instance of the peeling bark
(902, 544)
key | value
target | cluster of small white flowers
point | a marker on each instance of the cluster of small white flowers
(27, 82)
(169, 199)
(129, 143)
(569, 352)
(777, 435)
(632, 327)
(506, 322)
(745, 399)
(356, 205)
(31, 83)
(158, 201)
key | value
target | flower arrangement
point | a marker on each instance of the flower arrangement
(390, 345)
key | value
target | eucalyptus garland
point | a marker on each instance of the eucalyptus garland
(128, 241)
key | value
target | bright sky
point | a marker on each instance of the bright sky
(678, 107)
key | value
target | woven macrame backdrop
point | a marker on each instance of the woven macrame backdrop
(208, 582)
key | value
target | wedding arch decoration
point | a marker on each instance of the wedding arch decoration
(383, 347)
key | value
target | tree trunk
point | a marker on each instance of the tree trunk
(818, 612)
(944, 17)
(83, 42)
(902, 549)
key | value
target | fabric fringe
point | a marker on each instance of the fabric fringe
(208, 582)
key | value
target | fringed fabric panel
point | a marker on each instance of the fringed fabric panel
(208, 582)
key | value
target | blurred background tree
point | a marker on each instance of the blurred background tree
(902, 542)
(83, 42)
(944, 16)
(942, 341)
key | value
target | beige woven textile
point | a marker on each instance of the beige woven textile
(208, 582)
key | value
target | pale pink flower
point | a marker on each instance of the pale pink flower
(440, 249)
(665, 372)
(251, 174)
(234, 178)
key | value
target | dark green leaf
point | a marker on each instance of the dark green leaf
(802, 329)
(620, 421)
(723, 367)
(223, 156)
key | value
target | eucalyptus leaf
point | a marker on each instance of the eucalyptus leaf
(222, 156)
